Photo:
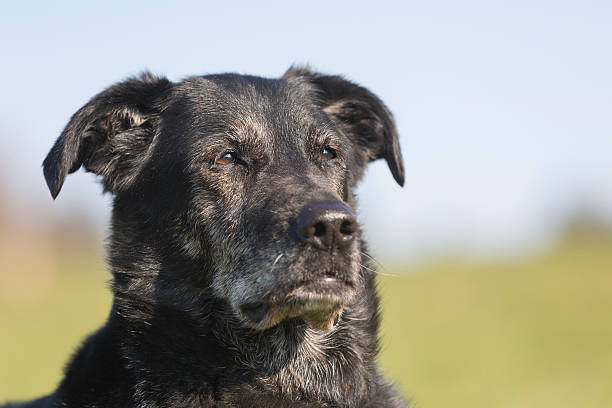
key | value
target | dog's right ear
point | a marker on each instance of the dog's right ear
(110, 135)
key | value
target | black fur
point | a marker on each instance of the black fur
(217, 300)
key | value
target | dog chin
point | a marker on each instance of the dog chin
(318, 303)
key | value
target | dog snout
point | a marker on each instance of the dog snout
(327, 225)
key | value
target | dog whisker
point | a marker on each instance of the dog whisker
(277, 259)
(380, 265)
(378, 273)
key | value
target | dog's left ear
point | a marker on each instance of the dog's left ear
(361, 115)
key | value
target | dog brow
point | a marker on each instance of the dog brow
(321, 134)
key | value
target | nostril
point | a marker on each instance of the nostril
(319, 229)
(348, 227)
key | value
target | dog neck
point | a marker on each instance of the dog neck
(211, 353)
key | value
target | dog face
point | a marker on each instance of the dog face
(235, 187)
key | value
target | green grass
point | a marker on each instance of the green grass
(531, 333)
(525, 333)
(40, 328)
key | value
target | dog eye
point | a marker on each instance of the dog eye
(329, 153)
(227, 158)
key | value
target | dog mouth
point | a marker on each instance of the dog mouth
(318, 302)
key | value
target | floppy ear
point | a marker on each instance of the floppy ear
(110, 135)
(361, 115)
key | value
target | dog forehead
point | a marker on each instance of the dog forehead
(248, 100)
(253, 109)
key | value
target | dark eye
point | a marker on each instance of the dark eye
(227, 158)
(328, 153)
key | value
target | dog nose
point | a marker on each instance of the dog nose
(327, 225)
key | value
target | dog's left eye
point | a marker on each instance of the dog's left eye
(329, 153)
(227, 158)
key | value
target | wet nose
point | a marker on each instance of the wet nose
(327, 225)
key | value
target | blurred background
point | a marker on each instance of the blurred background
(495, 257)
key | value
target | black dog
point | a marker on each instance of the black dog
(239, 275)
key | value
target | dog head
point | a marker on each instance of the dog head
(234, 187)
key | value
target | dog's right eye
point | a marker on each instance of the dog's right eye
(227, 158)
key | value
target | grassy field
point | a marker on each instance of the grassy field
(524, 333)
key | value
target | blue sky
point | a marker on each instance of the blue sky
(503, 107)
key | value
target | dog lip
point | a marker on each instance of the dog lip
(325, 286)
(255, 311)
(324, 295)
